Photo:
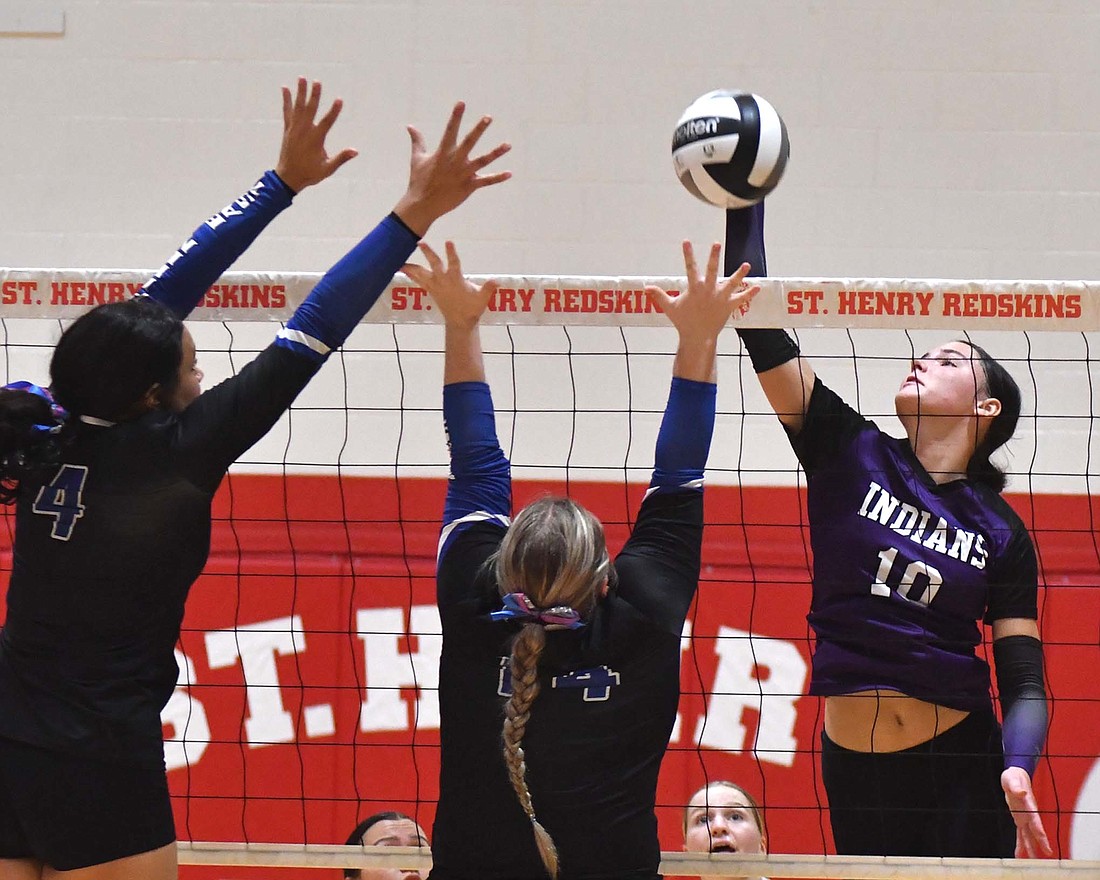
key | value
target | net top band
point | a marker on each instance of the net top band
(853, 303)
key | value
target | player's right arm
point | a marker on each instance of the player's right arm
(786, 378)
(181, 283)
(479, 492)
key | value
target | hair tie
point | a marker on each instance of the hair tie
(518, 607)
(59, 413)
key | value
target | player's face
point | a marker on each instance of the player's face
(720, 819)
(189, 385)
(947, 381)
(393, 832)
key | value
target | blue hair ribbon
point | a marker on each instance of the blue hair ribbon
(59, 413)
(517, 606)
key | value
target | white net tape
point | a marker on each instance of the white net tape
(782, 302)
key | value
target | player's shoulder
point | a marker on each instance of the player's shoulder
(999, 507)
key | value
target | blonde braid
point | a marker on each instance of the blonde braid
(526, 650)
(555, 553)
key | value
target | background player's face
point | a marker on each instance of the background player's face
(948, 380)
(393, 832)
(190, 377)
(720, 819)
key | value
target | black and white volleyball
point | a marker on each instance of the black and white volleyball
(730, 148)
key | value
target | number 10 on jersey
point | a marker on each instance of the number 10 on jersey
(909, 578)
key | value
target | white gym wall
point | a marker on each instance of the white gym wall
(929, 138)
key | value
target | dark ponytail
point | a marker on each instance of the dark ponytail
(103, 366)
(1001, 385)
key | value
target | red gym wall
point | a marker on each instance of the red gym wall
(305, 750)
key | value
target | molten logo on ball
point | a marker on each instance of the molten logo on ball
(730, 148)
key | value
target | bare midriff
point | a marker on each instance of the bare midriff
(885, 721)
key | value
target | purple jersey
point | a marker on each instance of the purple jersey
(903, 568)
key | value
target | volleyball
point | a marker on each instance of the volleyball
(730, 148)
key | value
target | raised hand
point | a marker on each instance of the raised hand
(706, 306)
(461, 302)
(303, 159)
(1031, 837)
(441, 181)
(700, 312)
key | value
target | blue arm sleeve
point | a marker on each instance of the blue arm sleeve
(1019, 662)
(683, 442)
(348, 290)
(212, 248)
(480, 485)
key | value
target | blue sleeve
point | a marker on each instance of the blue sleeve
(683, 442)
(348, 290)
(480, 487)
(181, 283)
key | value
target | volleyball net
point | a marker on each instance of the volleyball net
(308, 662)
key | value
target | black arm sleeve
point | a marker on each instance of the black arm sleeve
(1019, 661)
(658, 567)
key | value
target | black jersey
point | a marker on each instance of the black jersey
(904, 568)
(106, 550)
(609, 691)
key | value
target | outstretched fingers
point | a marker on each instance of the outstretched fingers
(454, 123)
(459, 301)
(738, 291)
(711, 278)
(689, 261)
(442, 180)
(454, 264)
(303, 157)
(488, 158)
(473, 136)
(419, 147)
(434, 261)
(330, 117)
(288, 107)
(658, 297)
(314, 100)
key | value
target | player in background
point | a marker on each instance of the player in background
(913, 548)
(578, 656)
(387, 828)
(721, 817)
(112, 471)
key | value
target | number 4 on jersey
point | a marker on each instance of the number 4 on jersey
(61, 500)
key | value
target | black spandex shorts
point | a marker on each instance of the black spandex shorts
(71, 812)
(940, 798)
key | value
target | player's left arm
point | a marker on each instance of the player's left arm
(477, 510)
(183, 280)
(1018, 655)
